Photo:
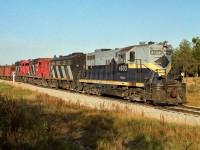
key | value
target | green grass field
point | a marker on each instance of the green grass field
(193, 91)
(29, 120)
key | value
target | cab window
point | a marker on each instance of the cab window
(122, 58)
(132, 56)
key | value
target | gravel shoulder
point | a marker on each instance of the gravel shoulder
(104, 103)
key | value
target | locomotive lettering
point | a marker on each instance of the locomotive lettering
(155, 52)
(122, 67)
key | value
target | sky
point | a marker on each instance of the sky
(43, 28)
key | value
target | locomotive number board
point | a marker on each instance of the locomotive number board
(122, 67)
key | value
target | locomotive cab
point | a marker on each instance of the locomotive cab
(22, 70)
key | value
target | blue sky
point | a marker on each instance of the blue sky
(44, 28)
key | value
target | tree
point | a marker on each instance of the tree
(182, 59)
(196, 51)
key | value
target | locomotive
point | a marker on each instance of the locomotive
(137, 73)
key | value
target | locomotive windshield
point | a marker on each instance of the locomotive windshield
(122, 58)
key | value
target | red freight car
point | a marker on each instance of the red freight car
(8, 71)
(2, 72)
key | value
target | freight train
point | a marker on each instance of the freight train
(137, 73)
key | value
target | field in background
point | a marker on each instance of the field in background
(29, 120)
(193, 90)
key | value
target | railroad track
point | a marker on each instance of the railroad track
(190, 107)
(184, 109)
(187, 110)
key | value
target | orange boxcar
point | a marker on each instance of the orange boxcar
(9, 70)
(2, 71)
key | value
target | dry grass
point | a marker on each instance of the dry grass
(30, 120)
(193, 91)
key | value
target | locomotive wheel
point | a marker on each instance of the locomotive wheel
(142, 97)
(84, 88)
(154, 102)
(98, 91)
(137, 94)
(79, 87)
(73, 86)
(49, 83)
(125, 94)
(44, 82)
(87, 90)
(31, 81)
(67, 85)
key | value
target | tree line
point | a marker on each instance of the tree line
(186, 58)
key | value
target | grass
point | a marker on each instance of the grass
(29, 120)
(5, 86)
(193, 91)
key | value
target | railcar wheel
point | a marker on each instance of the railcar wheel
(99, 91)
(84, 88)
(154, 103)
(125, 94)
(73, 86)
(79, 87)
(142, 97)
(88, 90)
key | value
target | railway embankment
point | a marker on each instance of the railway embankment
(105, 103)
(32, 119)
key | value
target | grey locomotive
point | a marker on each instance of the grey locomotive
(138, 72)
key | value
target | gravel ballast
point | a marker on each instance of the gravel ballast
(99, 102)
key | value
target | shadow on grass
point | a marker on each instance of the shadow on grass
(54, 125)
(27, 126)
(83, 129)
(142, 141)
